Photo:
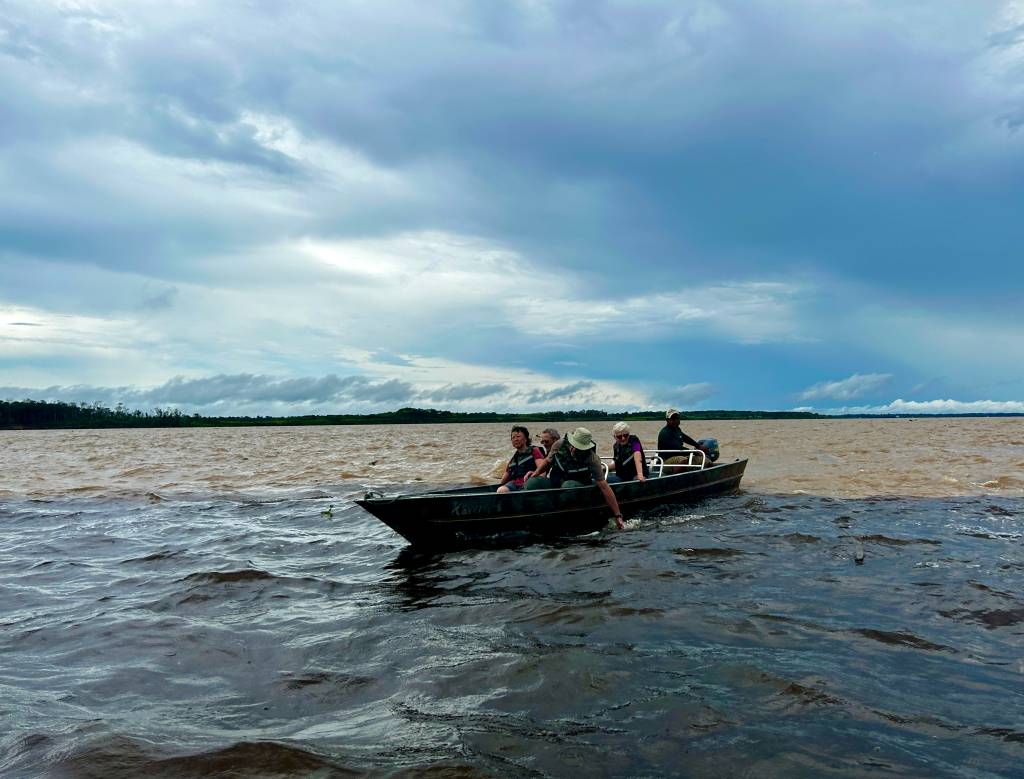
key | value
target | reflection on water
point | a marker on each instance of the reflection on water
(227, 626)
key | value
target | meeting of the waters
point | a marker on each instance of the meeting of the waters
(209, 602)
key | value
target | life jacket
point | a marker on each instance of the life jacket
(565, 467)
(625, 466)
(522, 463)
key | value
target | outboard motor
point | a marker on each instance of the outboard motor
(712, 447)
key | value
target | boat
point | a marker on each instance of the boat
(471, 516)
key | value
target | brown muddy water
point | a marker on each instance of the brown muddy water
(210, 603)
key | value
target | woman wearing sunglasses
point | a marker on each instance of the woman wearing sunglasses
(630, 462)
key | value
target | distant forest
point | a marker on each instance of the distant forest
(41, 415)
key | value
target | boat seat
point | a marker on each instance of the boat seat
(695, 460)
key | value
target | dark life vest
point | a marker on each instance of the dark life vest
(522, 463)
(565, 467)
(625, 466)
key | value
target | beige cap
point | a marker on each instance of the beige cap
(671, 413)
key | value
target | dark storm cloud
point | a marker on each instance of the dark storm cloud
(631, 148)
(543, 396)
(231, 390)
(463, 392)
(649, 130)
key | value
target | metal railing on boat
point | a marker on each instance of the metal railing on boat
(695, 460)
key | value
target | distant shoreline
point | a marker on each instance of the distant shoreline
(43, 415)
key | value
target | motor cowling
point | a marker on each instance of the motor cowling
(711, 444)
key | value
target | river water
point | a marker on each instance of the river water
(210, 603)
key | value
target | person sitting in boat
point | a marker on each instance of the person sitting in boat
(573, 462)
(548, 436)
(628, 454)
(526, 459)
(672, 438)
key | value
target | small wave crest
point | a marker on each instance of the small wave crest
(1002, 483)
(708, 552)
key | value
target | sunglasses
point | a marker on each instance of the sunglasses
(623, 436)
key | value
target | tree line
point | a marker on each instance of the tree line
(41, 414)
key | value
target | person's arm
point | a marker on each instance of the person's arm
(544, 465)
(606, 489)
(539, 466)
(613, 504)
(639, 460)
(696, 444)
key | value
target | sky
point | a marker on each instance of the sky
(263, 207)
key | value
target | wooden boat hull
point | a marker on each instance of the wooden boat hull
(475, 515)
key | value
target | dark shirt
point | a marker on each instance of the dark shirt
(673, 438)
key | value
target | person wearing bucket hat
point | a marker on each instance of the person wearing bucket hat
(673, 439)
(573, 462)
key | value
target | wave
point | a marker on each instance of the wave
(710, 551)
(1002, 483)
(119, 757)
(155, 557)
(901, 638)
(881, 539)
(228, 577)
(991, 619)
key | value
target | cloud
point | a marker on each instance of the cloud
(948, 406)
(691, 394)
(248, 388)
(225, 394)
(543, 396)
(250, 189)
(387, 358)
(463, 392)
(846, 389)
(232, 390)
(159, 301)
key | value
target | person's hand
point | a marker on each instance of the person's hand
(619, 523)
(528, 476)
(641, 477)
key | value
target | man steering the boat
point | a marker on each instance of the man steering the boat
(573, 462)
(671, 438)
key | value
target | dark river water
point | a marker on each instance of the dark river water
(749, 635)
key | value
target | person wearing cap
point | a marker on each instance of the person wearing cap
(573, 462)
(672, 438)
